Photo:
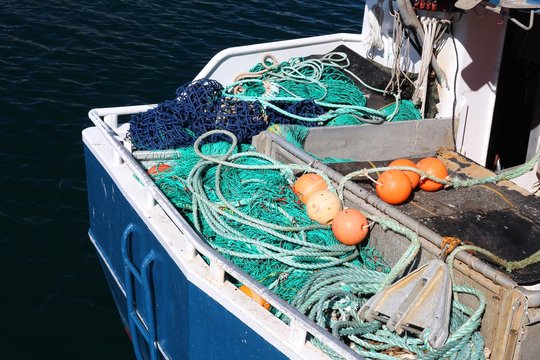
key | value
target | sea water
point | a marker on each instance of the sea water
(59, 59)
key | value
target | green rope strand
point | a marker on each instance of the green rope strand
(509, 266)
(450, 181)
(506, 175)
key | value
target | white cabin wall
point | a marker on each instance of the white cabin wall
(479, 40)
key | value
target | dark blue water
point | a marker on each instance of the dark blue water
(58, 59)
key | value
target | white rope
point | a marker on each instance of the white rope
(401, 60)
(375, 36)
(433, 30)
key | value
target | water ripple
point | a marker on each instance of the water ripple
(60, 59)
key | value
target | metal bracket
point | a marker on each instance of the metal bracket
(448, 245)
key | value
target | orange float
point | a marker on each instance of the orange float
(158, 169)
(434, 167)
(350, 226)
(394, 187)
(414, 177)
(258, 299)
(307, 184)
(322, 206)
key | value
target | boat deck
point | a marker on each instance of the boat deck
(500, 217)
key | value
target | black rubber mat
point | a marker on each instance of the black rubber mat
(492, 216)
(373, 74)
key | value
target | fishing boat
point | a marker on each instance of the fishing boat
(194, 275)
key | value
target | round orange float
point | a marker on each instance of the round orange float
(413, 177)
(322, 206)
(158, 169)
(350, 226)
(307, 184)
(394, 187)
(258, 299)
(434, 167)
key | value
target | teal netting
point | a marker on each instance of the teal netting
(242, 204)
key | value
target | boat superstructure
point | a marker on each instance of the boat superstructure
(173, 289)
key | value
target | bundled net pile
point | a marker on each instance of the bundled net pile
(313, 92)
(198, 108)
(243, 205)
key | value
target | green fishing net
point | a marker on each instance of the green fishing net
(262, 227)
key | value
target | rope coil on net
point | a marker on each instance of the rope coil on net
(242, 204)
(326, 81)
(320, 80)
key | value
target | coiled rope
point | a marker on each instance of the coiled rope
(241, 202)
(320, 80)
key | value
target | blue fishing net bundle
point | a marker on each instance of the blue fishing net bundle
(198, 108)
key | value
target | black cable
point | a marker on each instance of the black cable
(413, 40)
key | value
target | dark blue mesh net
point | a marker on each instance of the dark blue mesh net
(160, 128)
(200, 107)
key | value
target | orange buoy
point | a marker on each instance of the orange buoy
(158, 169)
(414, 177)
(258, 299)
(350, 226)
(322, 206)
(434, 167)
(393, 187)
(307, 184)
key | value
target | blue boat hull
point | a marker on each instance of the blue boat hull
(166, 314)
